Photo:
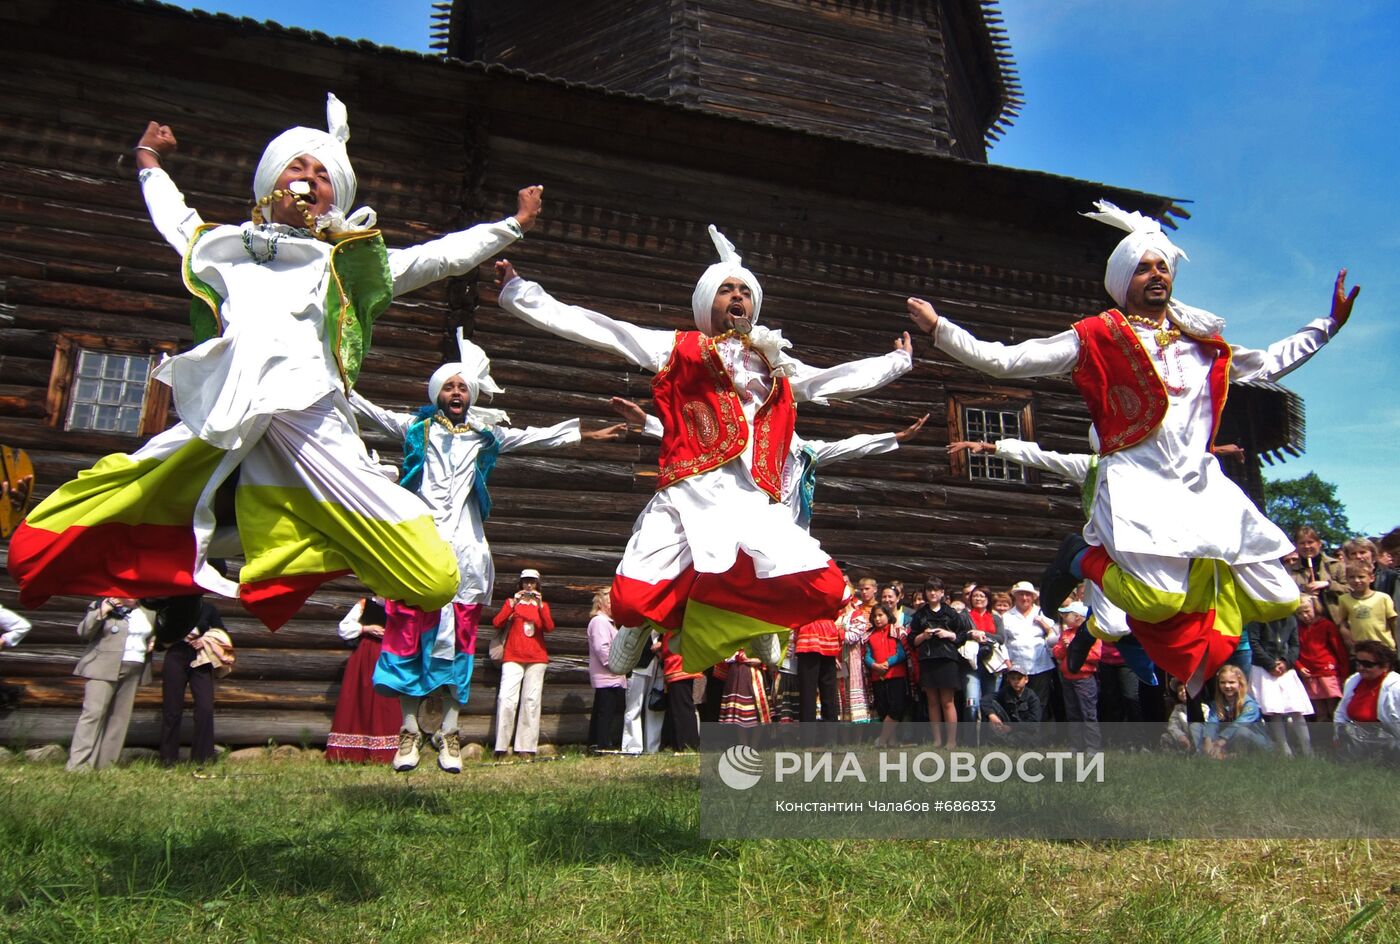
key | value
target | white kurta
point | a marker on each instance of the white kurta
(450, 475)
(852, 447)
(1109, 619)
(274, 359)
(275, 354)
(1167, 495)
(705, 520)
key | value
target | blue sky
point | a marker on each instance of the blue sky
(1273, 118)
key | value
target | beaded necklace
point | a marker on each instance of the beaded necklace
(1168, 352)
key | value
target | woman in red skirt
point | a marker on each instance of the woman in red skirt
(365, 729)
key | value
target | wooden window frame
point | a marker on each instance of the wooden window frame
(155, 404)
(1003, 401)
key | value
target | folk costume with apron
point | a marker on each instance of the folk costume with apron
(1173, 541)
(449, 467)
(715, 556)
(282, 319)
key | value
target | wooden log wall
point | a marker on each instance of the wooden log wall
(839, 234)
(884, 73)
(616, 44)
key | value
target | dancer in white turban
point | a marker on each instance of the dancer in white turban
(1170, 539)
(450, 447)
(715, 555)
(266, 452)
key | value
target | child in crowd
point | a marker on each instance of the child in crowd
(1322, 658)
(885, 658)
(1366, 614)
(1274, 683)
(1013, 711)
(1233, 721)
(1178, 734)
(853, 690)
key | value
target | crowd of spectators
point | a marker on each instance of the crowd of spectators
(996, 659)
(932, 655)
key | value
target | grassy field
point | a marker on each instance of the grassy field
(588, 849)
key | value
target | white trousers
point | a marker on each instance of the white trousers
(641, 727)
(518, 706)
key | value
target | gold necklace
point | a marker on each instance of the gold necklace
(446, 424)
(258, 207)
(1165, 334)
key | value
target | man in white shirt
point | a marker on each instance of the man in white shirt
(1170, 538)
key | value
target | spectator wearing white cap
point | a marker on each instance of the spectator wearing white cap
(1081, 687)
(1029, 635)
(526, 618)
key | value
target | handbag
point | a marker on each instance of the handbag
(968, 651)
(656, 699)
(996, 658)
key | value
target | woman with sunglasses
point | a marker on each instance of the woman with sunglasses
(1368, 719)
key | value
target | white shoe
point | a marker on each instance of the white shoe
(626, 649)
(449, 752)
(767, 647)
(407, 756)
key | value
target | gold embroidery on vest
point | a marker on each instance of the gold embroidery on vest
(700, 423)
(1136, 357)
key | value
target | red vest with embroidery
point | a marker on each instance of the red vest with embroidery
(1125, 395)
(703, 418)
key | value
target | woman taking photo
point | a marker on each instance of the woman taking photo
(526, 619)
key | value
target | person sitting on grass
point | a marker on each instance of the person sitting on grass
(1233, 722)
(1368, 718)
(1013, 714)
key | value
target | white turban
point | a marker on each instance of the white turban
(474, 367)
(730, 265)
(328, 147)
(1145, 235)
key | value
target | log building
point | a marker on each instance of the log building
(840, 145)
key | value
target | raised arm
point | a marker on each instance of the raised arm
(175, 221)
(1073, 466)
(853, 378)
(636, 418)
(395, 424)
(852, 447)
(13, 628)
(1038, 357)
(1283, 357)
(552, 437)
(461, 252)
(648, 348)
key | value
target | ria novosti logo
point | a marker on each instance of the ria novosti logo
(740, 767)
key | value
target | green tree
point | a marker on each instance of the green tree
(1292, 503)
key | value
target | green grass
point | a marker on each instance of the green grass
(606, 849)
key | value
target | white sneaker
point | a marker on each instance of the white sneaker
(449, 752)
(767, 647)
(407, 756)
(626, 650)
